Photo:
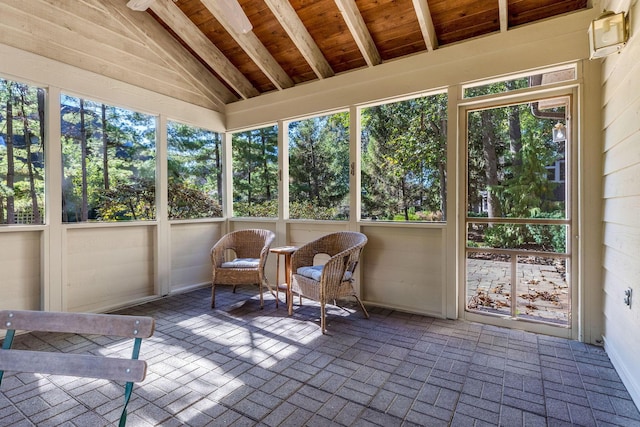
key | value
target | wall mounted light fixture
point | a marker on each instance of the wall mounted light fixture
(608, 34)
(559, 132)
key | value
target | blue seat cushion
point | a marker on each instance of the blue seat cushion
(315, 272)
(242, 263)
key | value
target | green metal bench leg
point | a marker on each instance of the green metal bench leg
(6, 345)
(128, 388)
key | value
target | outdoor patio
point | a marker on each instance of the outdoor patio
(542, 290)
(239, 365)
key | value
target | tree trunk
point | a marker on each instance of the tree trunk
(105, 149)
(11, 214)
(217, 160)
(84, 210)
(41, 106)
(442, 170)
(515, 135)
(32, 184)
(405, 207)
(265, 164)
(491, 163)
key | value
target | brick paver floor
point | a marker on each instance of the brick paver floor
(238, 365)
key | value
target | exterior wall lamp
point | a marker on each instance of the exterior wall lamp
(559, 132)
(608, 34)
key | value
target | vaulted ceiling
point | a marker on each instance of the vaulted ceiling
(298, 41)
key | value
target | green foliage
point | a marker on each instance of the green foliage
(102, 147)
(507, 236)
(135, 200)
(526, 186)
(130, 201)
(549, 237)
(190, 202)
(306, 210)
(543, 237)
(255, 172)
(266, 209)
(195, 172)
(413, 215)
(404, 159)
(21, 153)
(319, 167)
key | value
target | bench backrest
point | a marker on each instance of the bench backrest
(78, 365)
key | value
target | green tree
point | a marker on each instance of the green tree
(195, 166)
(404, 159)
(21, 153)
(319, 165)
(255, 172)
(103, 147)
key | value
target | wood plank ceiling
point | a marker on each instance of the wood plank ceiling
(298, 41)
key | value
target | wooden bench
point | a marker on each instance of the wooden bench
(77, 365)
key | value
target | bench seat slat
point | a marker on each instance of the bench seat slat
(78, 323)
(77, 365)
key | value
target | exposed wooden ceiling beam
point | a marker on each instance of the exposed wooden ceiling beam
(253, 47)
(353, 18)
(503, 6)
(153, 35)
(426, 24)
(180, 24)
(290, 21)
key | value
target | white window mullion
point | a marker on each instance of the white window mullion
(162, 284)
(355, 180)
(54, 249)
(227, 175)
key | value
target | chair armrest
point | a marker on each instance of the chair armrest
(335, 268)
(218, 251)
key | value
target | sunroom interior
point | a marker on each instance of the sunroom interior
(103, 53)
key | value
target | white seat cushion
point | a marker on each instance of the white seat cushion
(315, 272)
(242, 263)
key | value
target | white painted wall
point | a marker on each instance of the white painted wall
(405, 267)
(621, 261)
(108, 266)
(190, 245)
(20, 267)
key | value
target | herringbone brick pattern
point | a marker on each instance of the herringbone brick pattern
(238, 365)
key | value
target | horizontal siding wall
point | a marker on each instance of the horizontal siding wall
(621, 111)
(20, 270)
(108, 267)
(405, 268)
(190, 247)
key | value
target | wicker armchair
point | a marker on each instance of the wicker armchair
(333, 280)
(251, 248)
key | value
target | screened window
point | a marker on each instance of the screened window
(404, 147)
(21, 153)
(194, 157)
(108, 156)
(319, 168)
(532, 80)
(255, 173)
